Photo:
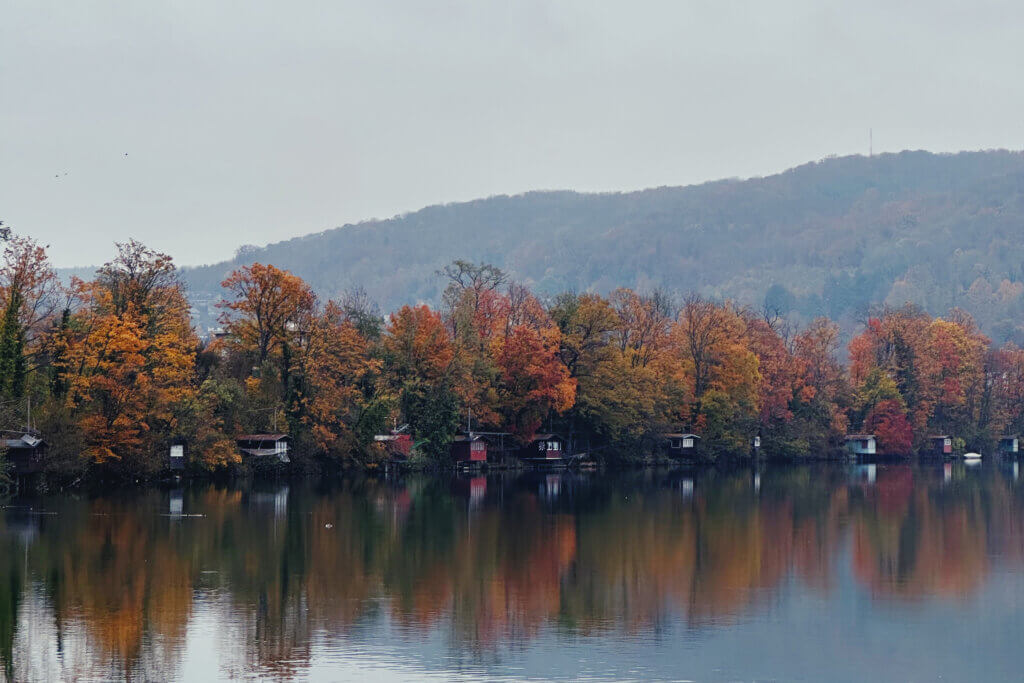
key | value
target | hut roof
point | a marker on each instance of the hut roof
(546, 437)
(24, 441)
(264, 437)
(462, 438)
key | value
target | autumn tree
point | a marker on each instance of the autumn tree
(887, 419)
(268, 306)
(1005, 377)
(29, 293)
(824, 415)
(717, 372)
(615, 398)
(644, 323)
(476, 312)
(467, 289)
(130, 356)
(334, 375)
(534, 383)
(937, 367)
(784, 393)
(417, 354)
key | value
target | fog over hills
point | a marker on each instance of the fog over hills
(827, 238)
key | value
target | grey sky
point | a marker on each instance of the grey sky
(252, 122)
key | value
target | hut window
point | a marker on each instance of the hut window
(477, 446)
(280, 447)
(177, 451)
(687, 443)
(676, 443)
(554, 446)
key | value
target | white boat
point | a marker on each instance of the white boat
(972, 456)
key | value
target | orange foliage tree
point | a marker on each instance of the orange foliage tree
(267, 308)
(130, 360)
(534, 382)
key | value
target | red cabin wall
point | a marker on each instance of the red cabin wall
(463, 452)
(402, 444)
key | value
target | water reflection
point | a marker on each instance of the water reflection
(477, 573)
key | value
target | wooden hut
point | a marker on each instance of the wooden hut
(543, 448)
(397, 443)
(469, 449)
(861, 444)
(24, 451)
(265, 446)
(1009, 445)
(176, 456)
(680, 444)
(939, 445)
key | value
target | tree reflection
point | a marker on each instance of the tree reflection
(488, 561)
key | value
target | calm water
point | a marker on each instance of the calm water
(838, 573)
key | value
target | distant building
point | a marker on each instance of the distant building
(1009, 445)
(265, 445)
(680, 444)
(939, 444)
(25, 451)
(861, 444)
(469, 449)
(543, 448)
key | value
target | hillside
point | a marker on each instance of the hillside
(829, 238)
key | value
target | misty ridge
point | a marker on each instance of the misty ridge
(837, 237)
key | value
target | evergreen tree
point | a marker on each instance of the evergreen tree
(12, 348)
(434, 415)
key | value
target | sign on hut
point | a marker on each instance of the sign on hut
(543, 448)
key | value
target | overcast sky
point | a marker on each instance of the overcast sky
(200, 126)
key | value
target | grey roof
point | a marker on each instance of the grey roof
(24, 441)
(263, 437)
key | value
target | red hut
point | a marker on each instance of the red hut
(398, 443)
(469, 449)
(940, 444)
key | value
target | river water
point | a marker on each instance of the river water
(852, 572)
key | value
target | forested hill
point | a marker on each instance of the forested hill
(828, 238)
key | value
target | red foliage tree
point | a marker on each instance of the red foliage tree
(888, 421)
(534, 381)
